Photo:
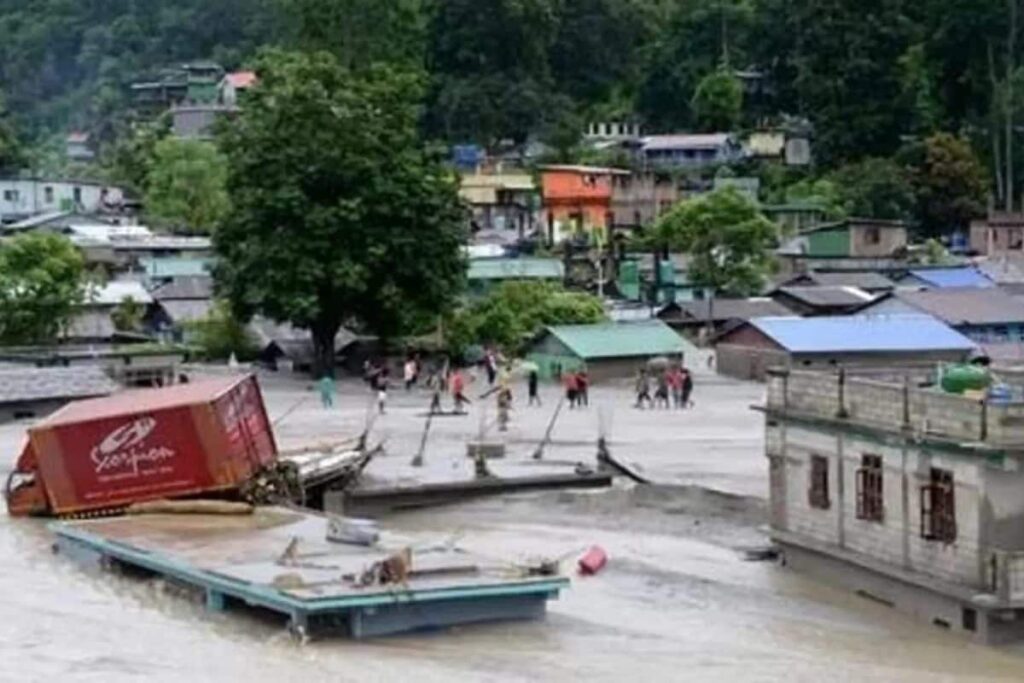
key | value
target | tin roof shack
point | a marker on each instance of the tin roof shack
(487, 273)
(692, 318)
(607, 350)
(864, 343)
(824, 300)
(34, 392)
(577, 200)
(148, 364)
(912, 497)
(983, 315)
(199, 438)
(93, 321)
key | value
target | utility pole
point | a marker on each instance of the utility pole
(1011, 68)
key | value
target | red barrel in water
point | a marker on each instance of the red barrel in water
(593, 560)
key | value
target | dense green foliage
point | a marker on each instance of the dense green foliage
(186, 185)
(870, 76)
(339, 214)
(516, 311)
(727, 237)
(220, 334)
(127, 316)
(41, 281)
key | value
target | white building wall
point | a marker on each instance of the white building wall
(897, 539)
(25, 197)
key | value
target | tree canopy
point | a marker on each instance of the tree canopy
(515, 311)
(340, 215)
(186, 185)
(728, 239)
(41, 282)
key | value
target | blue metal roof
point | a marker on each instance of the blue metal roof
(862, 333)
(952, 277)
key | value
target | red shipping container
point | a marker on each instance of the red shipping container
(203, 437)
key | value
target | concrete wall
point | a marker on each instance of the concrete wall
(22, 197)
(889, 240)
(896, 540)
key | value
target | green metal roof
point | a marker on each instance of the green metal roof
(621, 340)
(516, 269)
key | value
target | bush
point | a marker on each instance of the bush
(220, 334)
(516, 311)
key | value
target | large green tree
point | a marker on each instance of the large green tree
(41, 282)
(360, 32)
(718, 102)
(728, 239)
(515, 311)
(949, 183)
(186, 185)
(874, 188)
(339, 215)
(490, 68)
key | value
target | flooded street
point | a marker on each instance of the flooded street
(676, 601)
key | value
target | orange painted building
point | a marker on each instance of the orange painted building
(577, 199)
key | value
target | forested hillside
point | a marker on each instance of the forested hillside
(869, 75)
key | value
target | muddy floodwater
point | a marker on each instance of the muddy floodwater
(677, 600)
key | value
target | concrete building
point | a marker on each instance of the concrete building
(999, 234)
(606, 350)
(866, 343)
(502, 202)
(21, 198)
(577, 201)
(688, 152)
(639, 198)
(911, 498)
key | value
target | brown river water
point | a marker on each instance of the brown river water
(675, 603)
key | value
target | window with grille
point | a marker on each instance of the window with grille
(869, 489)
(817, 493)
(938, 507)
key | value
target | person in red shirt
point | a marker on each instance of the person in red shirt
(571, 388)
(457, 384)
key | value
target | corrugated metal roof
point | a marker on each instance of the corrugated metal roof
(728, 309)
(867, 281)
(187, 310)
(516, 269)
(862, 333)
(686, 141)
(40, 384)
(116, 291)
(828, 296)
(970, 306)
(953, 277)
(621, 340)
(190, 287)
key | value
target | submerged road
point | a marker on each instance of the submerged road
(676, 602)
